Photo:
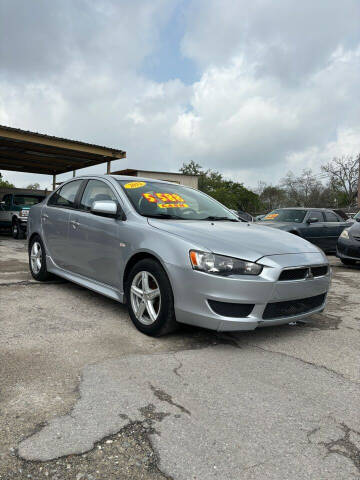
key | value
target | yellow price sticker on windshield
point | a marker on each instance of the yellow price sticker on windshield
(173, 205)
(271, 216)
(135, 184)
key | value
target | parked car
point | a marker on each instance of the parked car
(348, 245)
(320, 226)
(14, 211)
(174, 254)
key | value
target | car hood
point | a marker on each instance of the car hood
(355, 229)
(280, 225)
(248, 241)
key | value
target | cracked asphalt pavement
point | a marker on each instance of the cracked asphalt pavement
(85, 396)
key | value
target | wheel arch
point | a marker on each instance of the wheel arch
(34, 234)
(135, 258)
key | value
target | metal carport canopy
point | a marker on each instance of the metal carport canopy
(30, 152)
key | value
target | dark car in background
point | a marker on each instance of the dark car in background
(348, 245)
(320, 226)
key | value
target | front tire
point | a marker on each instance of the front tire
(150, 299)
(37, 260)
(16, 231)
(348, 261)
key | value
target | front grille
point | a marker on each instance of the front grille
(293, 274)
(319, 271)
(235, 310)
(292, 307)
(304, 272)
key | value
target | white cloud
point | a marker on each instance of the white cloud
(277, 85)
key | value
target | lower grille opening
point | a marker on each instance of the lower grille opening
(235, 310)
(292, 307)
(320, 271)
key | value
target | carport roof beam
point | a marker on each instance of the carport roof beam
(31, 152)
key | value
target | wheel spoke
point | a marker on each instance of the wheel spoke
(140, 310)
(145, 281)
(137, 291)
(150, 310)
(152, 294)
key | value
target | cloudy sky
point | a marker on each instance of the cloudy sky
(252, 88)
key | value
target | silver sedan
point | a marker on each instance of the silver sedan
(174, 255)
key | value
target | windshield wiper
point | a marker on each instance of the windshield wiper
(211, 217)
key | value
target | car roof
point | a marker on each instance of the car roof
(122, 177)
(304, 208)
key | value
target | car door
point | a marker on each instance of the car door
(5, 211)
(55, 216)
(94, 239)
(334, 228)
(315, 232)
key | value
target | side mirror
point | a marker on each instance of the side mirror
(357, 219)
(107, 208)
(312, 220)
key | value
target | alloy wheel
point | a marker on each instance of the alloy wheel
(36, 257)
(145, 297)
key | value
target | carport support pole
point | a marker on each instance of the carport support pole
(358, 199)
(74, 173)
(54, 182)
(108, 169)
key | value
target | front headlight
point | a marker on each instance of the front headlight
(24, 213)
(345, 233)
(221, 265)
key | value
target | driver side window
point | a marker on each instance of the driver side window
(96, 191)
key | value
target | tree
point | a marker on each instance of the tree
(304, 190)
(232, 194)
(5, 183)
(191, 168)
(343, 175)
(33, 186)
(273, 197)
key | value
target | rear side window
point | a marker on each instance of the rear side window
(331, 217)
(316, 214)
(96, 191)
(66, 195)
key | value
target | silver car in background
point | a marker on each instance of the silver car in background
(174, 254)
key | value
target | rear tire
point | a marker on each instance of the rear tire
(150, 299)
(348, 261)
(37, 260)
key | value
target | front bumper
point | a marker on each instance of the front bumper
(348, 249)
(193, 290)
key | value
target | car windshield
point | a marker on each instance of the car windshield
(174, 202)
(27, 200)
(285, 215)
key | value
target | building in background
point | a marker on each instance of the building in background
(187, 180)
